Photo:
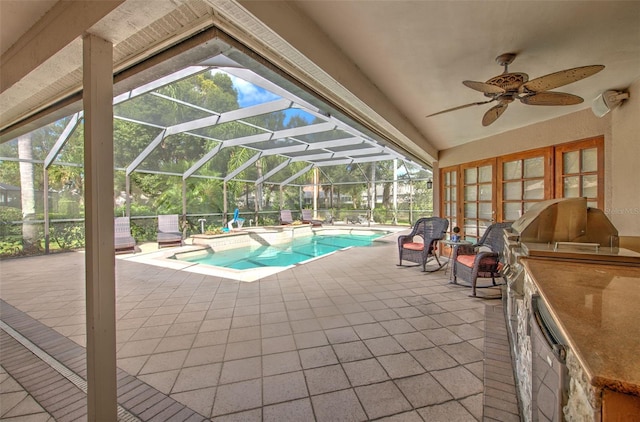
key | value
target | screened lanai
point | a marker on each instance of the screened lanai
(204, 136)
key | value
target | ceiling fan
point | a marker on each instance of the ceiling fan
(511, 86)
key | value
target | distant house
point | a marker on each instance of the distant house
(10, 196)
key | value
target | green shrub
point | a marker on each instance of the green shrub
(69, 208)
(67, 235)
(8, 214)
(10, 246)
(381, 215)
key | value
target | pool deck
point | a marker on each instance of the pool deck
(349, 336)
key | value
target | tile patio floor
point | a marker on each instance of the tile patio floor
(347, 337)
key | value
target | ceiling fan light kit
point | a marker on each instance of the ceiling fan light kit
(510, 86)
(607, 101)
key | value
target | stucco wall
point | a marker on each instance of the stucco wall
(572, 127)
(621, 130)
(624, 170)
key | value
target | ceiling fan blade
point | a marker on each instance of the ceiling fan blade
(493, 113)
(459, 107)
(484, 87)
(563, 77)
(551, 99)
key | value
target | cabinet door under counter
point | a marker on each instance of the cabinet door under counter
(620, 407)
(594, 308)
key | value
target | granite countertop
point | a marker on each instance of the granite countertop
(597, 306)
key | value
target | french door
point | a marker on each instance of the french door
(478, 198)
(580, 171)
(476, 194)
(523, 180)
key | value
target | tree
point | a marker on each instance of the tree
(29, 228)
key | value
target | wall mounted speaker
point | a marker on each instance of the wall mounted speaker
(607, 101)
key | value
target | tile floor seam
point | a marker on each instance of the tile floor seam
(123, 412)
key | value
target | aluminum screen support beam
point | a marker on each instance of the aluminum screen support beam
(224, 206)
(159, 83)
(148, 150)
(273, 171)
(373, 159)
(63, 138)
(127, 188)
(258, 80)
(201, 162)
(244, 165)
(295, 176)
(285, 133)
(184, 202)
(230, 116)
(224, 117)
(334, 162)
(51, 156)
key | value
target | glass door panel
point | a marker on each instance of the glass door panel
(580, 171)
(523, 180)
(478, 186)
(449, 178)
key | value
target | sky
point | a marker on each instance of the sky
(249, 94)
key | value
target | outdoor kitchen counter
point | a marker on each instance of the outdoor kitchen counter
(597, 307)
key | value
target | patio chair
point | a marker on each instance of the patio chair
(307, 218)
(480, 260)
(285, 217)
(123, 240)
(236, 219)
(169, 233)
(430, 230)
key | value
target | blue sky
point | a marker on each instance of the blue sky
(249, 94)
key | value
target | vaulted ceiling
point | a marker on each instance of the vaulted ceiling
(388, 64)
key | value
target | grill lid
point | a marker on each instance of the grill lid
(565, 220)
(567, 229)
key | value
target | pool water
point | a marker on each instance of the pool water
(300, 249)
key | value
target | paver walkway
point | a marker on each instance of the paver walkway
(350, 336)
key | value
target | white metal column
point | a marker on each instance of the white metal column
(99, 258)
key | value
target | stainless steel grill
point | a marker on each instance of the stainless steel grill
(563, 230)
(566, 229)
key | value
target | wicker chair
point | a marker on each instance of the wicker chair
(481, 260)
(430, 230)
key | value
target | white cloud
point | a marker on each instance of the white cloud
(249, 94)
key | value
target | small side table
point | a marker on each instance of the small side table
(452, 245)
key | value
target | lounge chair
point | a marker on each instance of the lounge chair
(236, 219)
(169, 233)
(431, 230)
(123, 241)
(285, 217)
(481, 260)
(307, 218)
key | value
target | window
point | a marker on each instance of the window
(450, 196)
(580, 171)
(478, 210)
(525, 179)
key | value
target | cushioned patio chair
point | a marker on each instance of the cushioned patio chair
(169, 233)
(480, 260)
(420, 245)
(307, 218)
(123, 241)
(236, 219)
(285, 217)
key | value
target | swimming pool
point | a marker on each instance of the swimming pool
(298, 250)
